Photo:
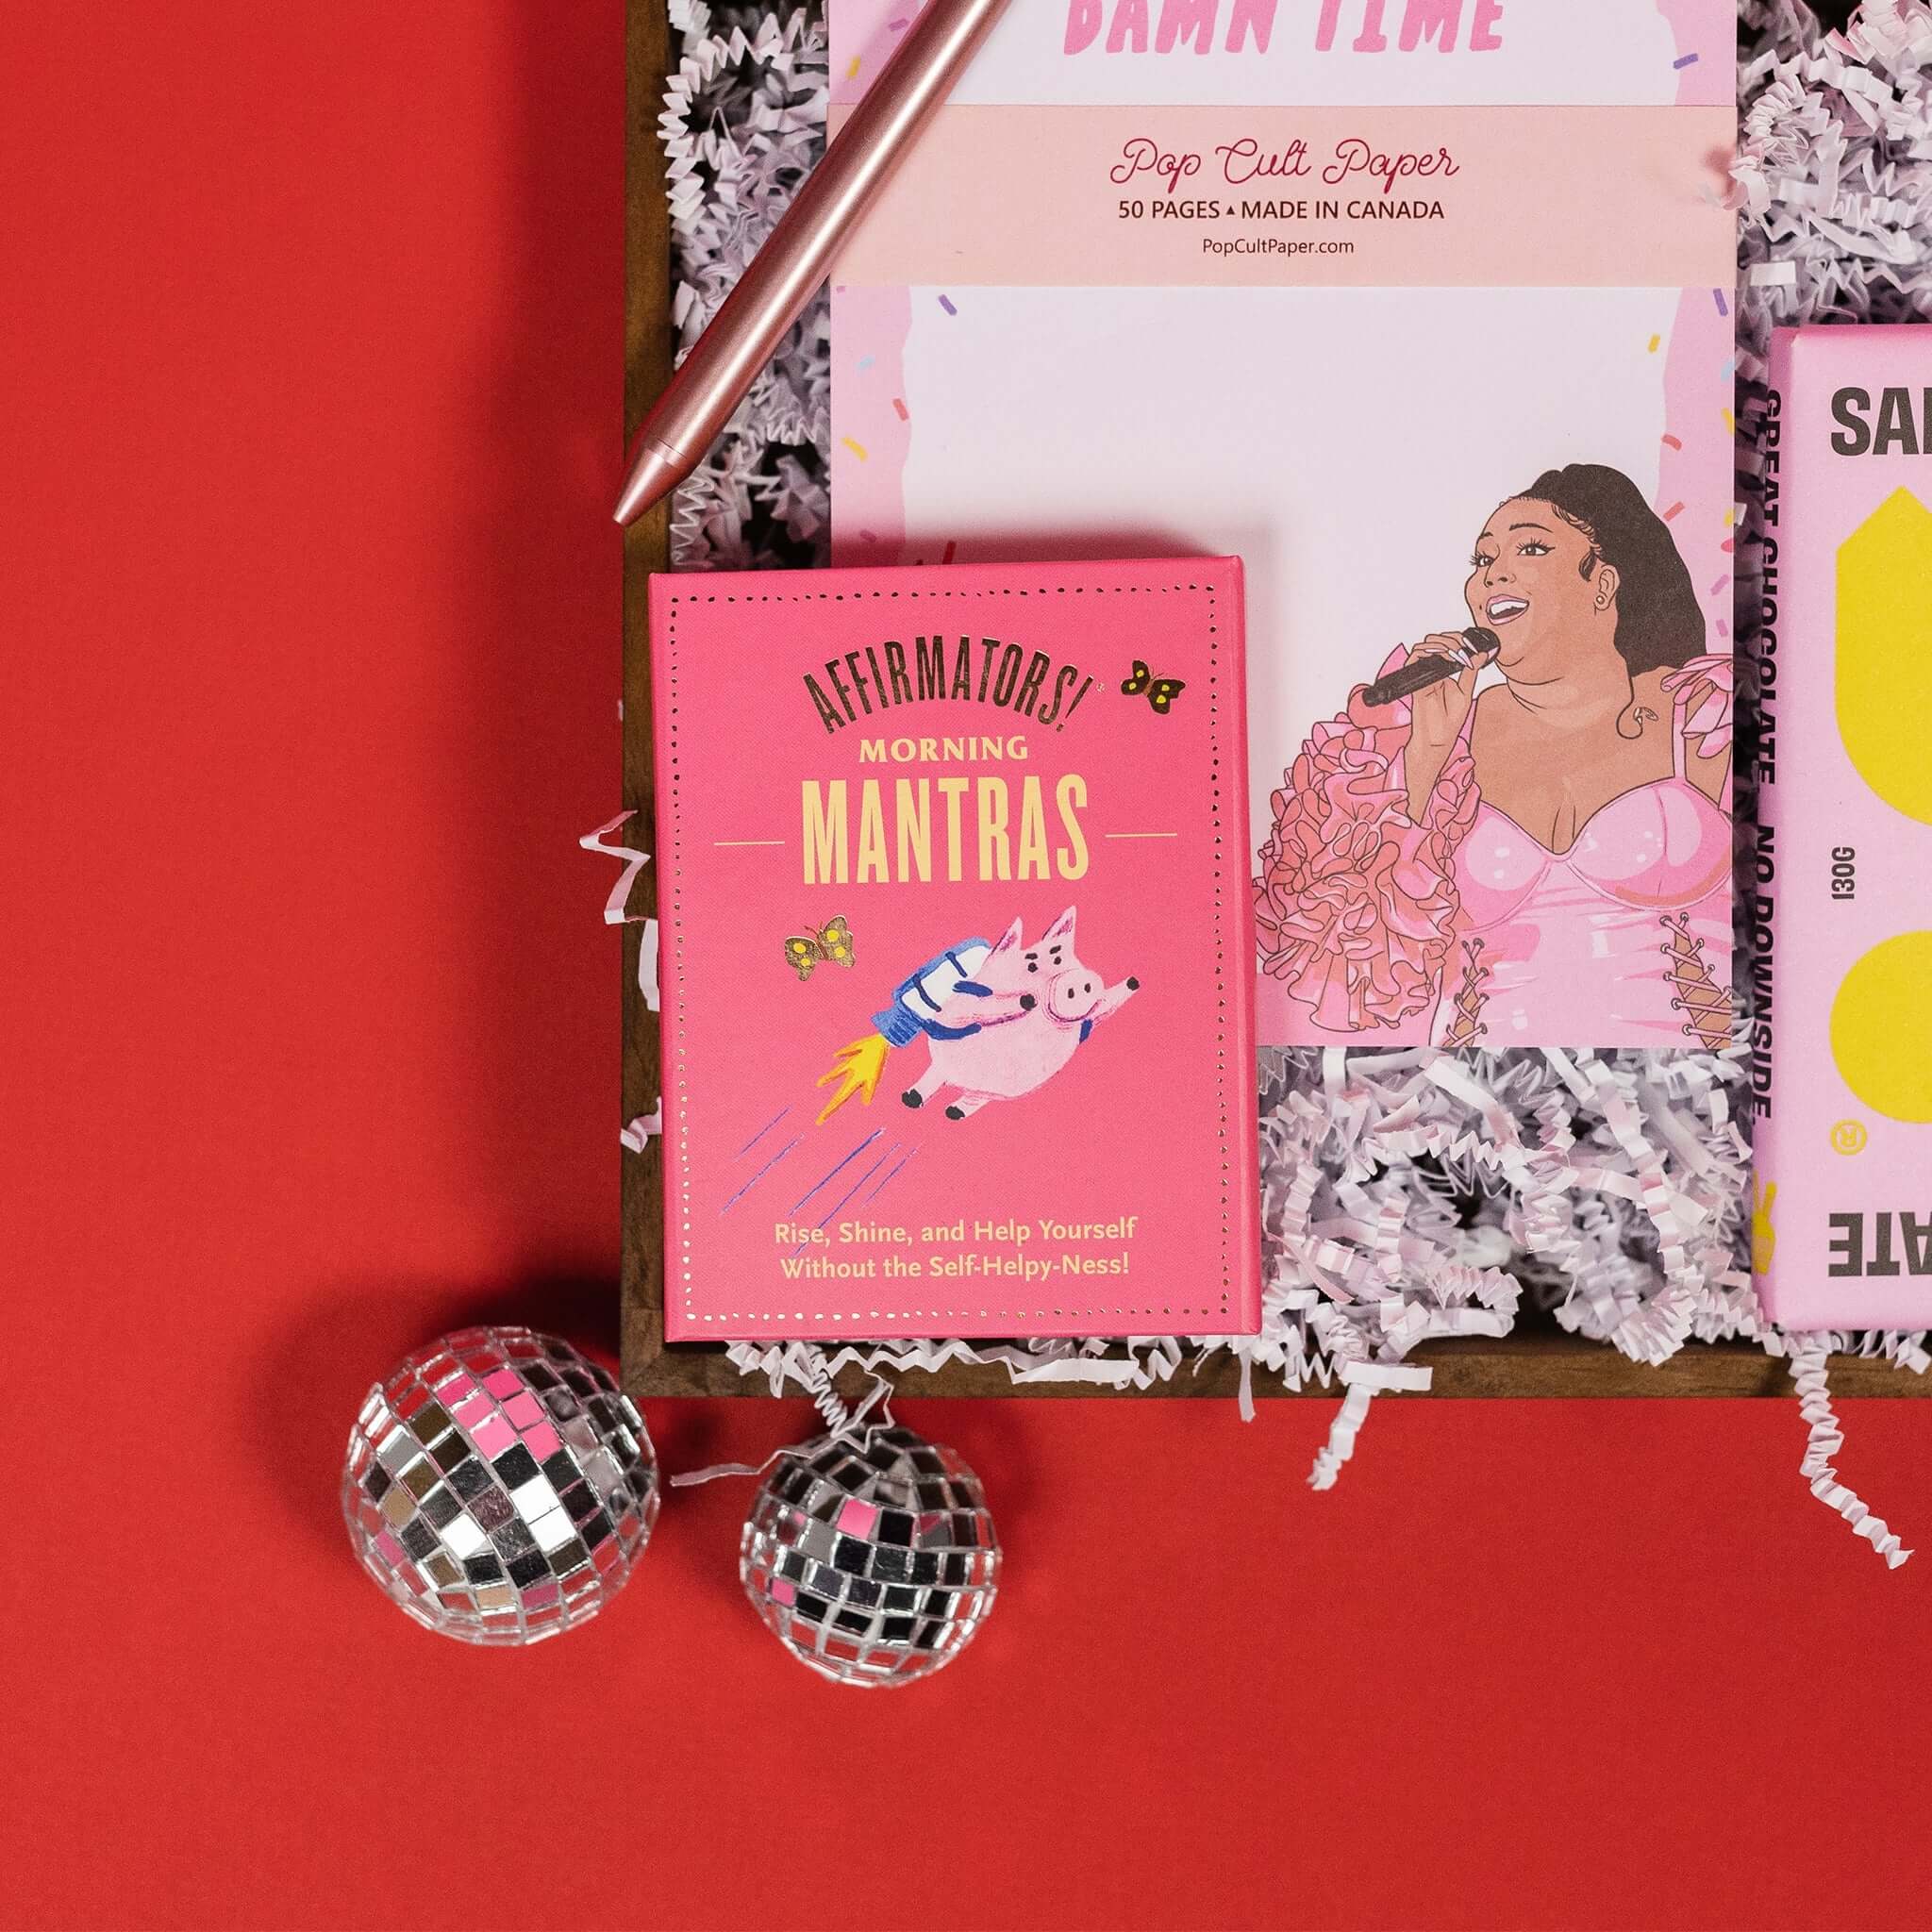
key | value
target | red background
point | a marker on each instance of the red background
(312, 354)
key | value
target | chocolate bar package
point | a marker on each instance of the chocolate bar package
(1840, 878)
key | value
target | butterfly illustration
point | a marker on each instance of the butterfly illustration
(1161, 691)
(831, 946)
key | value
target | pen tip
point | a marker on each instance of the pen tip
(654, 474)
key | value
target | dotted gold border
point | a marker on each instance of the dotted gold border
(764, 1324)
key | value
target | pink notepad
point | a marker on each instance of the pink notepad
(957, 1002)
(1332, 285)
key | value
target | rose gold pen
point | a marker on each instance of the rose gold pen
(798, 256)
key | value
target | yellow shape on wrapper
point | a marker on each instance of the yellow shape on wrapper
(1764, 1235)
(1885, 652)
(1881, 1028)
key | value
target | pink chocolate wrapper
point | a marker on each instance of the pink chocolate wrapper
(1840, 872)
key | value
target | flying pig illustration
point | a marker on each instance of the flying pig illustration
(999, 1020)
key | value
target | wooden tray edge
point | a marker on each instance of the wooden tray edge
(1541, 1363)
(1537, 1365)
(649, 349)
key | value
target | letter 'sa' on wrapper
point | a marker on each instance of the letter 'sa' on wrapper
(956, 985)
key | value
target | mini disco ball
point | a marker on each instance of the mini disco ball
(499, 1487)
(871, 1558)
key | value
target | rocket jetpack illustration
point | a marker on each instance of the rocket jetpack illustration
(999, 1020)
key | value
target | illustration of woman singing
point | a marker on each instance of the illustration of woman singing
(1547, 862)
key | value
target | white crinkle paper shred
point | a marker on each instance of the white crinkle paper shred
(1405, 1196)
(1807, 1360)
(743, 122)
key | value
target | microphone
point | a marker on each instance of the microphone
(1418, 675)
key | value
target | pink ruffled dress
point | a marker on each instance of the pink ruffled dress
(1465, 930)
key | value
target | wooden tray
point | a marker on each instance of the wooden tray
(1538, 1359)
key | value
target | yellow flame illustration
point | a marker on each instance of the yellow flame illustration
(857, 1067)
